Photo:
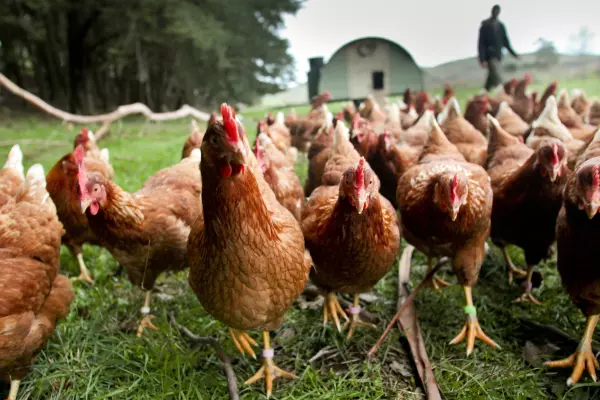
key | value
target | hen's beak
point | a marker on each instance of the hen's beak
(84, 204)
(454, 212)
(592, 208)
(554, 172)
(362, 201)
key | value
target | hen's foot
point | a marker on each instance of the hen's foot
(333, 308)
(83, 276)
(526, 295)
(513, 271)
(269, 372)
(355, 320)
(583, 358)
(146, 322)
(14, 389)
(438, 283)
(471, 331)
(243, 342)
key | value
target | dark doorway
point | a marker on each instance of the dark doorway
(377, 80)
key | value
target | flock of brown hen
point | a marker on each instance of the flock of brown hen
(513, 169)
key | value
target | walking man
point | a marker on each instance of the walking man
(492, 39)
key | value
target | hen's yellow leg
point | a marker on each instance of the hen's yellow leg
(84, 273)
(527, 296)
(14, 389)
(332, 308)
(243, 342)
(583, 358)
(472, 329)
(147, 318)
(436, 282)
(512, 269)
(269, 371)
(355, 320)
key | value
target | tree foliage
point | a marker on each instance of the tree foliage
(92, 55)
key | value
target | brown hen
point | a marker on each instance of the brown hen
(527, 188)
(445, 208)
(62, 187)
(247, 259)
(578, 245)
(145, 231)
(352, 234)
(193, 141)
(33, 296)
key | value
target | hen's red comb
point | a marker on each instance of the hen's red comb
(229, 123)
(257, 150)
(527, 78)
(340, 115)
(596, 176)
(454, 188)
(79, 155)
(85, 133)
(359, 181)
(554, 154)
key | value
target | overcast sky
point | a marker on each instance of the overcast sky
(433, 31)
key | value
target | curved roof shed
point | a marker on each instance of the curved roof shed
(369, 65)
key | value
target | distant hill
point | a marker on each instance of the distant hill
(466, 72)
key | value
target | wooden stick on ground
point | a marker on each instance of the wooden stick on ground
(105, 119)
(409, 324)
(408, 300)
(225, 362)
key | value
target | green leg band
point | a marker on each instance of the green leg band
(471, 310)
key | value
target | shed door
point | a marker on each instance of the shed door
(377, 78)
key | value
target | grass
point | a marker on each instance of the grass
(94, 353)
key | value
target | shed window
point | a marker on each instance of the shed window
(377, 80)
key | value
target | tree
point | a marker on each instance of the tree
(92, 55)
(581, 43)
(546, 55)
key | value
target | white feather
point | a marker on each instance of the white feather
(196, 154)
(452, 104)
(280, 118)
(91, 136)
(105, 155)
(15, 160)
(503, 109)
(563, 98)
(549, 120)
(401, 104)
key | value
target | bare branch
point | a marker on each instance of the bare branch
(225, 362)
(105, 119)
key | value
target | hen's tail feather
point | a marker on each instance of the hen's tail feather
(15, 160)
(36, 183)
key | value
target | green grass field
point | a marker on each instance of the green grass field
(95, 354)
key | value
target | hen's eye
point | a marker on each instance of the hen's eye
(347, 181)
(371, 181)
(213, 140)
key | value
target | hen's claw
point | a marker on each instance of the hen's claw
(438, 283)
(269, 372)
(583, 358)
(355, 320)
(243, 342)
(146, 322)
(83, 276)
(527, 297)
(472, 330)
(332, 307)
